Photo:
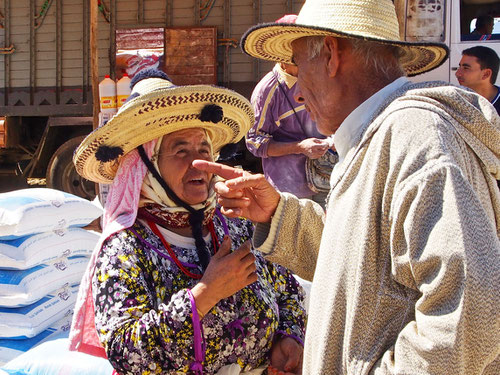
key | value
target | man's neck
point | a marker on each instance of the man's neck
(489, 92)
(365, 92)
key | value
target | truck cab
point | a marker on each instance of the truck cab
(47, 101)
(449, 22)
(46, 97)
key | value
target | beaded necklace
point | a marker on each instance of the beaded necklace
(215, 243)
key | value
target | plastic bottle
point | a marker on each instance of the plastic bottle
(122, 90)
(107, 95)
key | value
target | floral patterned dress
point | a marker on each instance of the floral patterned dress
(144, 310)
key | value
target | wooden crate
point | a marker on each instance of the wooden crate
(191, 55)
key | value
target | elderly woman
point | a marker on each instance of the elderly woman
(175, 287)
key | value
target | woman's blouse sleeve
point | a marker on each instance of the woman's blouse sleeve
(137, 337)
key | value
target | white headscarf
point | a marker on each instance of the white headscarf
(153, 192)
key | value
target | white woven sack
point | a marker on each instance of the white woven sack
(30, 251)
(27, 211)
(28, 321)
(20, 288)
(54, 358)
(11, 348)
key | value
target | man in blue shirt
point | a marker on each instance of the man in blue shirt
(478, 70)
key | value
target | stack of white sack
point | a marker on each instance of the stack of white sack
(43, 254)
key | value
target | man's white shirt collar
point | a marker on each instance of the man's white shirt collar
(348, 132)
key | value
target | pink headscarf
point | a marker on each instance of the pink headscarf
(120, 212)
(287, 18)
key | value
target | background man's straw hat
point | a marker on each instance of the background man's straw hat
(372, 20)
(155, 108)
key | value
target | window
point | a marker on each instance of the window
(480, 20)
(496, 25)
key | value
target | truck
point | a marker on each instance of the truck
(47, 89)
(46, 85)
(450, 22)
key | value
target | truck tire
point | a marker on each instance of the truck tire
(61, 173)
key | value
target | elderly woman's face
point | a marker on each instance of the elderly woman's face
(177, 151)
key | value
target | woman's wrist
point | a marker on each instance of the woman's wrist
(204, 302)
(281, 335)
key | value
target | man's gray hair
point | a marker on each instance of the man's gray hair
(370, 52)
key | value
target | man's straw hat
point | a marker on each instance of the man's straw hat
(157, 107)
(371, 20)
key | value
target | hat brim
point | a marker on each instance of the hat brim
(162, 112)
(273, 42)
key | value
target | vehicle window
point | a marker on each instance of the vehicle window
(480, 20)
(496, 25)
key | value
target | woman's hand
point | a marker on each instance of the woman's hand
(226, 274)
(286, 356)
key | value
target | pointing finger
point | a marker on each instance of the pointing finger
(221, 170)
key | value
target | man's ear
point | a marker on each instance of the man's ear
(486, 74)
(332, 53)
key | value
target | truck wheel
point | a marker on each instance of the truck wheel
(62, 175)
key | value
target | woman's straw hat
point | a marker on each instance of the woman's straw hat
(371, 20)
(157, 107)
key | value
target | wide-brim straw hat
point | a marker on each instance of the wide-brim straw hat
(371, 20)
(157, 107)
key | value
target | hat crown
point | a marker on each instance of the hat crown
(148, 85)
(365, 18)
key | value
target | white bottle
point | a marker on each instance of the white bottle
(123, 90)
(107, 95)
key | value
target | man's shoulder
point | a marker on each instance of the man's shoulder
(266, 84)
(416, 111)
(432, 95)
(433, 118)
(422, 88)
(496, 100)
(497, 105)
(268, 80)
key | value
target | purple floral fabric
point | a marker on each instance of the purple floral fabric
(143, 309)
